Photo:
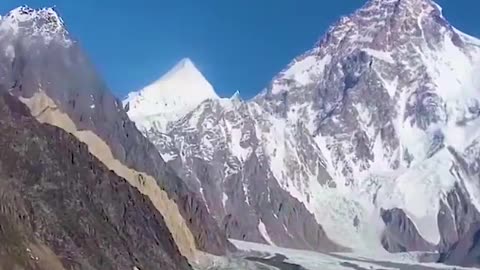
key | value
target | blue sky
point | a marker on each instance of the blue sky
(237, 44)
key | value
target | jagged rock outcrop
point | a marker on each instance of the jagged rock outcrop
(359, 130)
(400, 233)
(460, 246)
(44, 67)
(61, 208)
(466, 251)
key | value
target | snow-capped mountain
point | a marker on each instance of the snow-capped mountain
(393, 86)
(169, 98)
(365, 142)
(43, 24)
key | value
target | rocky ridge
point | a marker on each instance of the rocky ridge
(50, 73)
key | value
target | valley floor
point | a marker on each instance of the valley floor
(253, 256)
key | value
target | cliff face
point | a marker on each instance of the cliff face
(61, 208)
(46, 68)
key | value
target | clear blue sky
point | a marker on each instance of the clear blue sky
(237, 44)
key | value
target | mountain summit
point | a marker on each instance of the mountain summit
(369, 138)
(45, 23)
(168, 99)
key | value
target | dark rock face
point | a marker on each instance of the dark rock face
(53, 63)
(287, 221)
(456, 218)
(461, 242)
(400, 234)
(467, 250)
(458, 221)
(53, 192)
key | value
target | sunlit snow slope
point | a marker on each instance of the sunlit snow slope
(169, 98)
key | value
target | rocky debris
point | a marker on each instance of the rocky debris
(56, 197)
(278, 261)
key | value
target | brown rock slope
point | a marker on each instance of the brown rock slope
(60, 208)
(45, 111)
(44, 61)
